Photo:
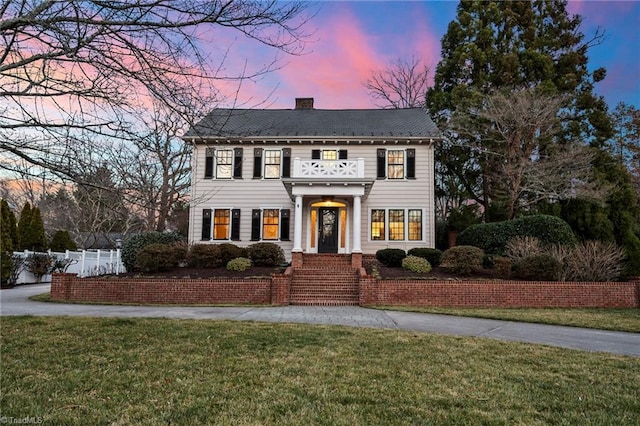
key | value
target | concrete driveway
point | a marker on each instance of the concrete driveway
(15, 302)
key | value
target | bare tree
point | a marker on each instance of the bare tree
(402, 84)
(513, 136)
(154, 171)
(73, 73)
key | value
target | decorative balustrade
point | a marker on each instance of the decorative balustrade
(338, 169)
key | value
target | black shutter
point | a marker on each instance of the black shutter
(342, 154)
(286, 162)
(208, 163)
(257, 162)
(382, 163)
(235, 224)
(315, 154)
(206, 224)
(285, 220)
(411, 163)
(237, 163)
(255, 225)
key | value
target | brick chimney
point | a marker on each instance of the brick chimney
(304, 103)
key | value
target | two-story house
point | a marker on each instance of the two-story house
(314, 180)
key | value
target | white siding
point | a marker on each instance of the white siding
(249, 193)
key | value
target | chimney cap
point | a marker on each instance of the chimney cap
(304, 103)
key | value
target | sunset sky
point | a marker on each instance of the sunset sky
(352, 38)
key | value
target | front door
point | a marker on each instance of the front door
(328, 230)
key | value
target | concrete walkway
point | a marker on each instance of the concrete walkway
(15, 302)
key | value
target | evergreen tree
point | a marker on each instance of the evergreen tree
(503, 46)
(24, 224)
(31, 229)
(8, 232)
(62, 241)
(37, 236)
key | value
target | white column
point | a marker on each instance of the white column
(297, 225)
(357, 217)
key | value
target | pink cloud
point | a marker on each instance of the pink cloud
(332, 73)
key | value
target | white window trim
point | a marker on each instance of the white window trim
(213, 224)
(264, 165)
(404, 165)
(262, 209)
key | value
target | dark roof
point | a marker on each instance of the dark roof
(229, 123)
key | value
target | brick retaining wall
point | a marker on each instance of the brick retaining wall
(67, 287)
(508, 294)
(372, 292)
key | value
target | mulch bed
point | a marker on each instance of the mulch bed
(253, 272)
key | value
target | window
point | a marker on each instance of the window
(221, 224)
(270, 224)
(272, 164)
(225, 224)
(395, 164)
(396, 224)
(415, 225)
(224, 163)
(377, 225)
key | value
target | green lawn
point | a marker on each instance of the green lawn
(158, 371)
(600, 318)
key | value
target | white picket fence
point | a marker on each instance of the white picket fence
(84, 263)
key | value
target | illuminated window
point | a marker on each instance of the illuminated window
(270, 222)
(396, 225)
(314, 226)
(330, 154)
(221, 224)
(377, 224)
(415, 225)
(272, 164)
(343, 228)
(395, 164)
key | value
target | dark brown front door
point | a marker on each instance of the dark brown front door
(328, 230)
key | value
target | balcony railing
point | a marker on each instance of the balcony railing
(328, 168)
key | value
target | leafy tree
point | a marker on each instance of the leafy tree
(503, 46)
(625, 143)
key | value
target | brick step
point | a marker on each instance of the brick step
(326, 261)
(324, 302)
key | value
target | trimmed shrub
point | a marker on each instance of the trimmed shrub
(230, 251)
(160, 257)
(239, 264)
(391, 257)
(416, 264)
(538, 267)
(133, 245)
(433, 256)
(62, 241)
(266, 254)
(502, 266)
(462, 260)
(204, 256)
(493, 237)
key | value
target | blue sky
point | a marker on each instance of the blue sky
(352, 38)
